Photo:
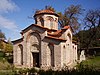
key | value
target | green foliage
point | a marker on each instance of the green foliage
(4, 65)
(1, 45)
(9, 48)
(86, 38)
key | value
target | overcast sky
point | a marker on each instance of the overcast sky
(14, 13)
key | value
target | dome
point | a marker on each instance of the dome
(46, 11)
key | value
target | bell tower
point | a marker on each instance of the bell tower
(47, 18)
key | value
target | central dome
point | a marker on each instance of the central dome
(46, 11)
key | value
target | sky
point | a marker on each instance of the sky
(14, 14)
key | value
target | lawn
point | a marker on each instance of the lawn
(94, 62)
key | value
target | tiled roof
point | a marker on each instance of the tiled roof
(58, 32)
(59, 39)
(66, 27)
(46, 11)
(37, 26)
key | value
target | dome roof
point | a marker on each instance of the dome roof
(46, 11)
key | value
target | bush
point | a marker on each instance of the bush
(80, 70)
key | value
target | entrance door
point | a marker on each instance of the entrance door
(35, 59)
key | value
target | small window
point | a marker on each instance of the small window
(64, 46)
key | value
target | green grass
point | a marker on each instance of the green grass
(6, 72)
(94, 62)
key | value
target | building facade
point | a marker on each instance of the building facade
(43, 45)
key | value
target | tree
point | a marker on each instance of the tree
(9, 47)
(84, 39)
(92, 23)
(2, 35)
(71, 17)
(1, 45)
(92, 19)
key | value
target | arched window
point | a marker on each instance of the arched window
(69, 38)
(51, 21)
(42, 21)
(20, 54)
(51, 48)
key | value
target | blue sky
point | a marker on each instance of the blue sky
(14, 13)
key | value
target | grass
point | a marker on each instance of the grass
(6, 72)
(94, 62)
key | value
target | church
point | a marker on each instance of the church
(42, 45)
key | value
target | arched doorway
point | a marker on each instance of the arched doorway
(35, 46)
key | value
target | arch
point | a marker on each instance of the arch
(69, 36)
(41, 21)
(51, 48)
(69, 47)
(35, 41)
(34, 47)
(51, 20)
(20, 54)
(69, 40)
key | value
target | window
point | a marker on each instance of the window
(20, 54)
(42, 21)
(51, 20)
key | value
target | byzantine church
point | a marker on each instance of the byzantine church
(42, 45)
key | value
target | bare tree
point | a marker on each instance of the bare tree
(92, 19)
(71, 17)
